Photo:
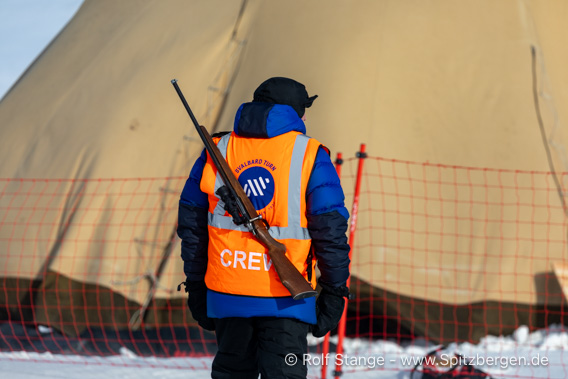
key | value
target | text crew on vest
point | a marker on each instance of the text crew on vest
(244, 260)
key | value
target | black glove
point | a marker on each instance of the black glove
(197, 303)
(329, 308)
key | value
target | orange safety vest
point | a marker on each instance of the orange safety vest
(274, 173)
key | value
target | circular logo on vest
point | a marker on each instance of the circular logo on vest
(258, 184)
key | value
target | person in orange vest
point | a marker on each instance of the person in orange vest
(232, 286)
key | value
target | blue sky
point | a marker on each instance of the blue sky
(26, 28)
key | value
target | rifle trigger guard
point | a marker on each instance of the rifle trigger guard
(259, 217)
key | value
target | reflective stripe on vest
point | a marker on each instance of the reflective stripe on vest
(294, 229)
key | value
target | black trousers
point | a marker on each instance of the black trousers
(249, 346)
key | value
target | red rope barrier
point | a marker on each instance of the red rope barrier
(443, 254)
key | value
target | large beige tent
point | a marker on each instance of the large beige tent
(437, 81)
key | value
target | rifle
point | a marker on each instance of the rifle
(241, 209)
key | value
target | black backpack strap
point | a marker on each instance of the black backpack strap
(309, 260)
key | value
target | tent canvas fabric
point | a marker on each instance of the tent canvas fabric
(421, 81)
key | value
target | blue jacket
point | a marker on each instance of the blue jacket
(326, 214)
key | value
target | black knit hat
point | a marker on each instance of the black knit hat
(285, 91)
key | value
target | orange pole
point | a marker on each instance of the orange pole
(341, 327)
(325, 349)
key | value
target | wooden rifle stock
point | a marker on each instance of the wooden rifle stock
(290, 277)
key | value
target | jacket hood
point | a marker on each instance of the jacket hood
(267, 120)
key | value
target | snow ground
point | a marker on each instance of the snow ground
(540, 354)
